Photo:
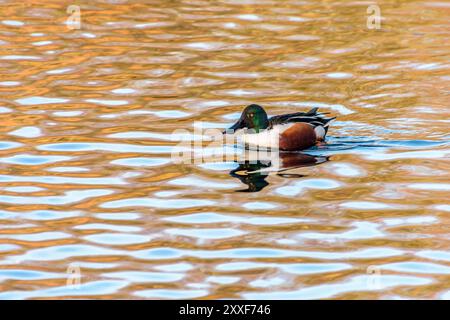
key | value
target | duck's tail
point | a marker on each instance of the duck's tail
(320, 122)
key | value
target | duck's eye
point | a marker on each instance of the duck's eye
(251, 115)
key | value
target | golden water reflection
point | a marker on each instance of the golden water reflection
(87, 182)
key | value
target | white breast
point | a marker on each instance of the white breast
(266, 139)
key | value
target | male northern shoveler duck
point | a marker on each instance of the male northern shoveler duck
(287, 132)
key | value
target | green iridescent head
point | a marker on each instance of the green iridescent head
(253, 117)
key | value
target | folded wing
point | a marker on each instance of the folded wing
(314, 118)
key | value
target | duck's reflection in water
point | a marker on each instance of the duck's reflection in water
(253, 173)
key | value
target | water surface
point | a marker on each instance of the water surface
(87, 184)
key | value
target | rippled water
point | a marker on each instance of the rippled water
(87, 184)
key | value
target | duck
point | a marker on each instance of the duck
(286, 132)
